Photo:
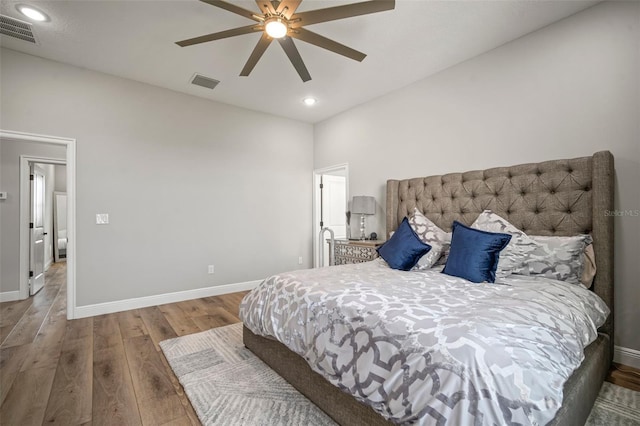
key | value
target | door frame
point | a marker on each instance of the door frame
(316, 202)
(70, 162)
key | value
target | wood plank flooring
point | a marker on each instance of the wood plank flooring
(627, 377)
(109, 370)
(105, 370)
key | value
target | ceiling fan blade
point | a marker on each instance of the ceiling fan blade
(288, 7)
(233, 8)
(266, 7)
(217, 36)
(341, 12)
(294, 56)
(325, 43)
(257, 53)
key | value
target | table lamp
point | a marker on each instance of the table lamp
(363, 205)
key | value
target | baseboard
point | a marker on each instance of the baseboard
(48, 264)
(626, 356)
(161, 299)
(9, 296)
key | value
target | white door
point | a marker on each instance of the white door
(36, 261)
(334, 205)
(334, 209)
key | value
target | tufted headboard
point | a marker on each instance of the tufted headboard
(558, 197)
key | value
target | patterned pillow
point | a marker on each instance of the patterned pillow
(431, 234)
(404, 248)
(514, 256)
(560, 258)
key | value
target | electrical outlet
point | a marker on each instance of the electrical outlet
(299, 260)
(102, 219)
(211, 269)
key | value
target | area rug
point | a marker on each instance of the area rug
(228, 385)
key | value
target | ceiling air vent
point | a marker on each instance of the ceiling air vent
(16, 28)
(201, 80)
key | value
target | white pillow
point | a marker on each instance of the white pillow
(431, 234)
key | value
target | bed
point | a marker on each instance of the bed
(552, 198)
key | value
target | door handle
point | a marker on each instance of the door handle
(45, 233)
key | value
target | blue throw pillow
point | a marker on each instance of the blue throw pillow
(474, 253)
(404, 248)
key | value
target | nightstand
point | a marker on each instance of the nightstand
(350, 251)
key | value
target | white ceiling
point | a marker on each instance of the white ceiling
(136, 40)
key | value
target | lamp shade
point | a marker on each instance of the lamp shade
(363, 204)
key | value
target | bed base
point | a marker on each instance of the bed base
(580, 391)
(340, 406)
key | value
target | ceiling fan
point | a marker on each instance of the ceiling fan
(279, 21)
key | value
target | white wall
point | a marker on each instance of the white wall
(565, 91)
(10, 208)
(186, 182)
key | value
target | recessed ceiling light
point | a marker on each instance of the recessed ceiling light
(32, 13)
(309, 101)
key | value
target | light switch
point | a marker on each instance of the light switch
(3, 195)
(102, 219)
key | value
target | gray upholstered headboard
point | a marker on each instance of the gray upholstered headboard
(559, 197)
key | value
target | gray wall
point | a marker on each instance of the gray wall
(61, 178)
(186, 182)
(565, 91)
(50, 182)
(10, 152)
(2, 208)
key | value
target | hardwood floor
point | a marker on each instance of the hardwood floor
(105, 370)
(627, 377)
(108, 370)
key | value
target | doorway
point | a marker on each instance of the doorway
(46, 182)
(22, 196)
(331, 192)
(37, 184)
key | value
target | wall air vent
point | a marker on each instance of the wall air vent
(201, 80)
(16, 28)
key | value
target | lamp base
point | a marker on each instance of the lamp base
(363, 235)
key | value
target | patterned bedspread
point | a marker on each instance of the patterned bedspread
(428, 348)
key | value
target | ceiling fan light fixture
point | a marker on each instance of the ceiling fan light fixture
(276, 28)
(32, 13)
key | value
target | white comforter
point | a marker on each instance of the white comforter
(429, 348)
